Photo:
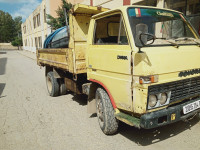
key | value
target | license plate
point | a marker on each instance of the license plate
(191, 107)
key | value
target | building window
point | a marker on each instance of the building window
(24, 28)
(185, 6)
(34, 22)
(146, 3)
(45, 18)
(30, 26)
(36, 42)
(40, 42)
(38, 20)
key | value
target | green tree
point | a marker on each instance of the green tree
(17, 42)
(59, 22)
(10, 29)
(6, 27)
(17, 24)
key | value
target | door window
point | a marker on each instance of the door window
(110, 30)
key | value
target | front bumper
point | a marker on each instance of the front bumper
(166, 116)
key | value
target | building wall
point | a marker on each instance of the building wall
(35, 28)
(186, 6)
(54, 4)
(117, 3)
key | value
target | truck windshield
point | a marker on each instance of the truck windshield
(163, 24)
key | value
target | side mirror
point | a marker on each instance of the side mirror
(143, 38)
(147, 39)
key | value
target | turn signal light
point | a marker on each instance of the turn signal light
(148, 79)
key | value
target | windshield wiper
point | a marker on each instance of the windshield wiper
(188, 38)
(173, 43)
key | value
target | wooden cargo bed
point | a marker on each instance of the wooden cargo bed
(64, 59)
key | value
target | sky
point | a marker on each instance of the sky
(19, 7)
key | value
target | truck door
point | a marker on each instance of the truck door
(109, 59)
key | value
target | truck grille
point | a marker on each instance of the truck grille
(181, 89)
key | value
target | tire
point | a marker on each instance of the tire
(198, 115)
(105, 113)
(52, 84)
(63, 89)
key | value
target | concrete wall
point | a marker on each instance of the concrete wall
(7, 46)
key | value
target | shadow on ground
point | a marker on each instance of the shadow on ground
(2, 86)
(81, 99)
(3, 62)
(3, 53)
(146, 137)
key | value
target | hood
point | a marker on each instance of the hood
(164, 60)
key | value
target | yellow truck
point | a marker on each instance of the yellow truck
(139, 65)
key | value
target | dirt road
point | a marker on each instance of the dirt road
(32, 120)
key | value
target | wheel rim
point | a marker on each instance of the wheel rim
(100, 111)
(49, 84)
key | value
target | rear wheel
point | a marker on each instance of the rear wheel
(198, 115)
(63, 89)
(105, 112)
(52, 84)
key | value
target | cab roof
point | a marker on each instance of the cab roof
(124, 8)
(85, 9)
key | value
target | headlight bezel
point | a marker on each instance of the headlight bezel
(158, 104)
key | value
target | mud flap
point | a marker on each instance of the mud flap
(91, 106)
(90, 90)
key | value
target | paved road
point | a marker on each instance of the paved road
(32, 120)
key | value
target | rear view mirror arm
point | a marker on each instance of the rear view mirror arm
(140, 37)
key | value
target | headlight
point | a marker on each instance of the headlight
(152, 100)
(159, 99)
(163, 98)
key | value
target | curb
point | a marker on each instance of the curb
(26, 55)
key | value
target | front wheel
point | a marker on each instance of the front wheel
(105, 112)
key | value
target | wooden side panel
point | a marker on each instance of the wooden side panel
(71, 28)
(64, 59)
(80, 26)
(80, 66)
(53, 57)
(70, 60)
(80, 53)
